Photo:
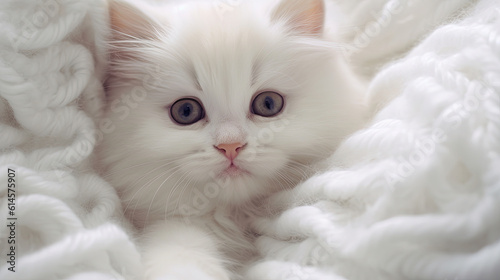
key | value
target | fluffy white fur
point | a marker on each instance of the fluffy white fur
(170, 177)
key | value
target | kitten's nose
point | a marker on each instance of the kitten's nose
(230, 150)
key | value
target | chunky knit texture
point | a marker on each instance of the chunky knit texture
(68, 218)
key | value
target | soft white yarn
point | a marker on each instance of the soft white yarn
(416, 195)
(69, 219)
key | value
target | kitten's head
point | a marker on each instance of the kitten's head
(223, 101)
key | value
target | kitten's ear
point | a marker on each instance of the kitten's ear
(128, 22)
(303, 16)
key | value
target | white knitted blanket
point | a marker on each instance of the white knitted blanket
(59, 220)
(415, 195)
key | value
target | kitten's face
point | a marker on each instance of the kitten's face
(241, 98)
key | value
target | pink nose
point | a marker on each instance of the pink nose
(230, 150)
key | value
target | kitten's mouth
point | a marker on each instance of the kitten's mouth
(234, 171)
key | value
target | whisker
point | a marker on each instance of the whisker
(159, 187)
(141, 188)
(176, 186)
(170, 159)
(186, 186)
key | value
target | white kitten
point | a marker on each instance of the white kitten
(211, 107)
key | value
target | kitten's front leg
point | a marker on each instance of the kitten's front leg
(176, 250)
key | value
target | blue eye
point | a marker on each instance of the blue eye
(186, 111)
(267, 104)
